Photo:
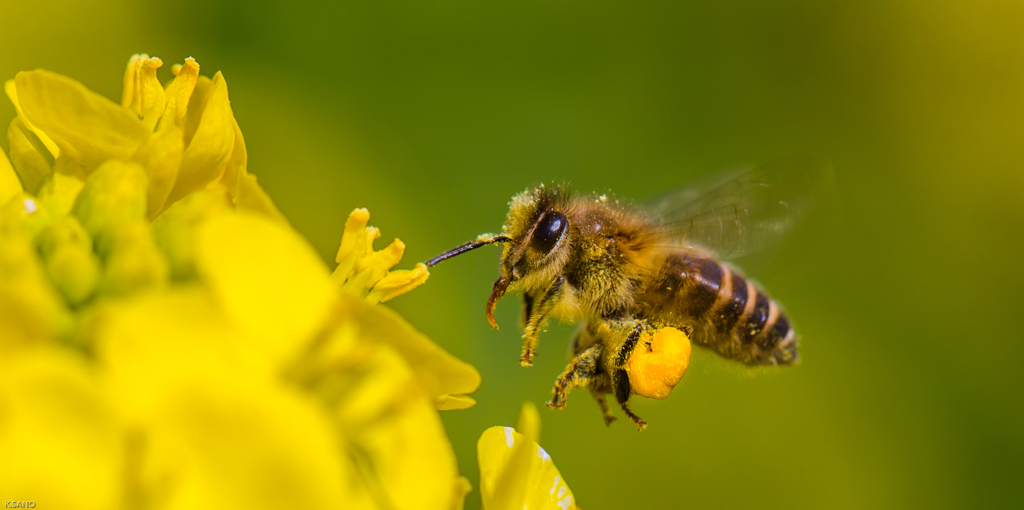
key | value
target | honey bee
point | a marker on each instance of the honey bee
(648, 280)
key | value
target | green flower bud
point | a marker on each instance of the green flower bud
(70, 262)
(114, 194)
(30, 310)
(175, 229)
(131, 259)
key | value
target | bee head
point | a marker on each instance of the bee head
(538, 230)
(535, 238)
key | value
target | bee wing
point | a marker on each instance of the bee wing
(742, 211)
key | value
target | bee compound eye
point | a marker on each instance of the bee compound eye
(549, 230)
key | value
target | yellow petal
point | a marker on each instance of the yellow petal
(236, 164)
(143, 95)
(153, 344)
(453, 402)
(397, 283)
(58, 426)
(29, 156)
(179, 91)
(250, 197)
(61, 187)
(11, 88)
(440, 374)
(10, 185)
(462, 487)
(161, 157)
(243, 444)
(397, 438)
(268, 278)
(516, 473)
(87, 127)
(175, 231)
(212, 144)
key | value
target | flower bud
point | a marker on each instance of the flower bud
(131, 259)
(70, 262)
(115, 193)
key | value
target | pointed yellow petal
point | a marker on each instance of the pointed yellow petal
(268, 278)
(397, 283)
(12, 92)
(235, 168)
(212, 144)
(453, 402)
(179, 91)
(250, 197)
(10, 186)
(161, 157)
(86, 126)
(439, 373)
(516, 473)
(462, 487)
(28, 154)
(406, 461)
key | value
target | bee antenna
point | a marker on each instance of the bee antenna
(463, 248)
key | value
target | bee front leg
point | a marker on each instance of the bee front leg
(538, 314)
(578, 374)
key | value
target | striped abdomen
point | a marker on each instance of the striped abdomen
(729, 314)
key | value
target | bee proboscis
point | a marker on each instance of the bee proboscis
(631, 275)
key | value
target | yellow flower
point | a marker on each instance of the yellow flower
(168, 340)
(365, 272)
(516, 473)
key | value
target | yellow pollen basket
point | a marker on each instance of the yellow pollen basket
(658, 363)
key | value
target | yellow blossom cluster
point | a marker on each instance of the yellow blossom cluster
(168, 340)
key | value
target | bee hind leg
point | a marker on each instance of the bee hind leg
(580, 373)
(620, 378)
(620, 383)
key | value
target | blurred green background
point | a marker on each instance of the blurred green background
(433, 114)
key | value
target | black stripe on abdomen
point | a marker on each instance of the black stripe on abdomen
(775, 333)
(733, 308)
(688, 285)
(705, 281)
(754, 324)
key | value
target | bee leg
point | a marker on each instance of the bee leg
(578, 374)
(541, 308)
(620, 383)
(602, 402)
(620, 378)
